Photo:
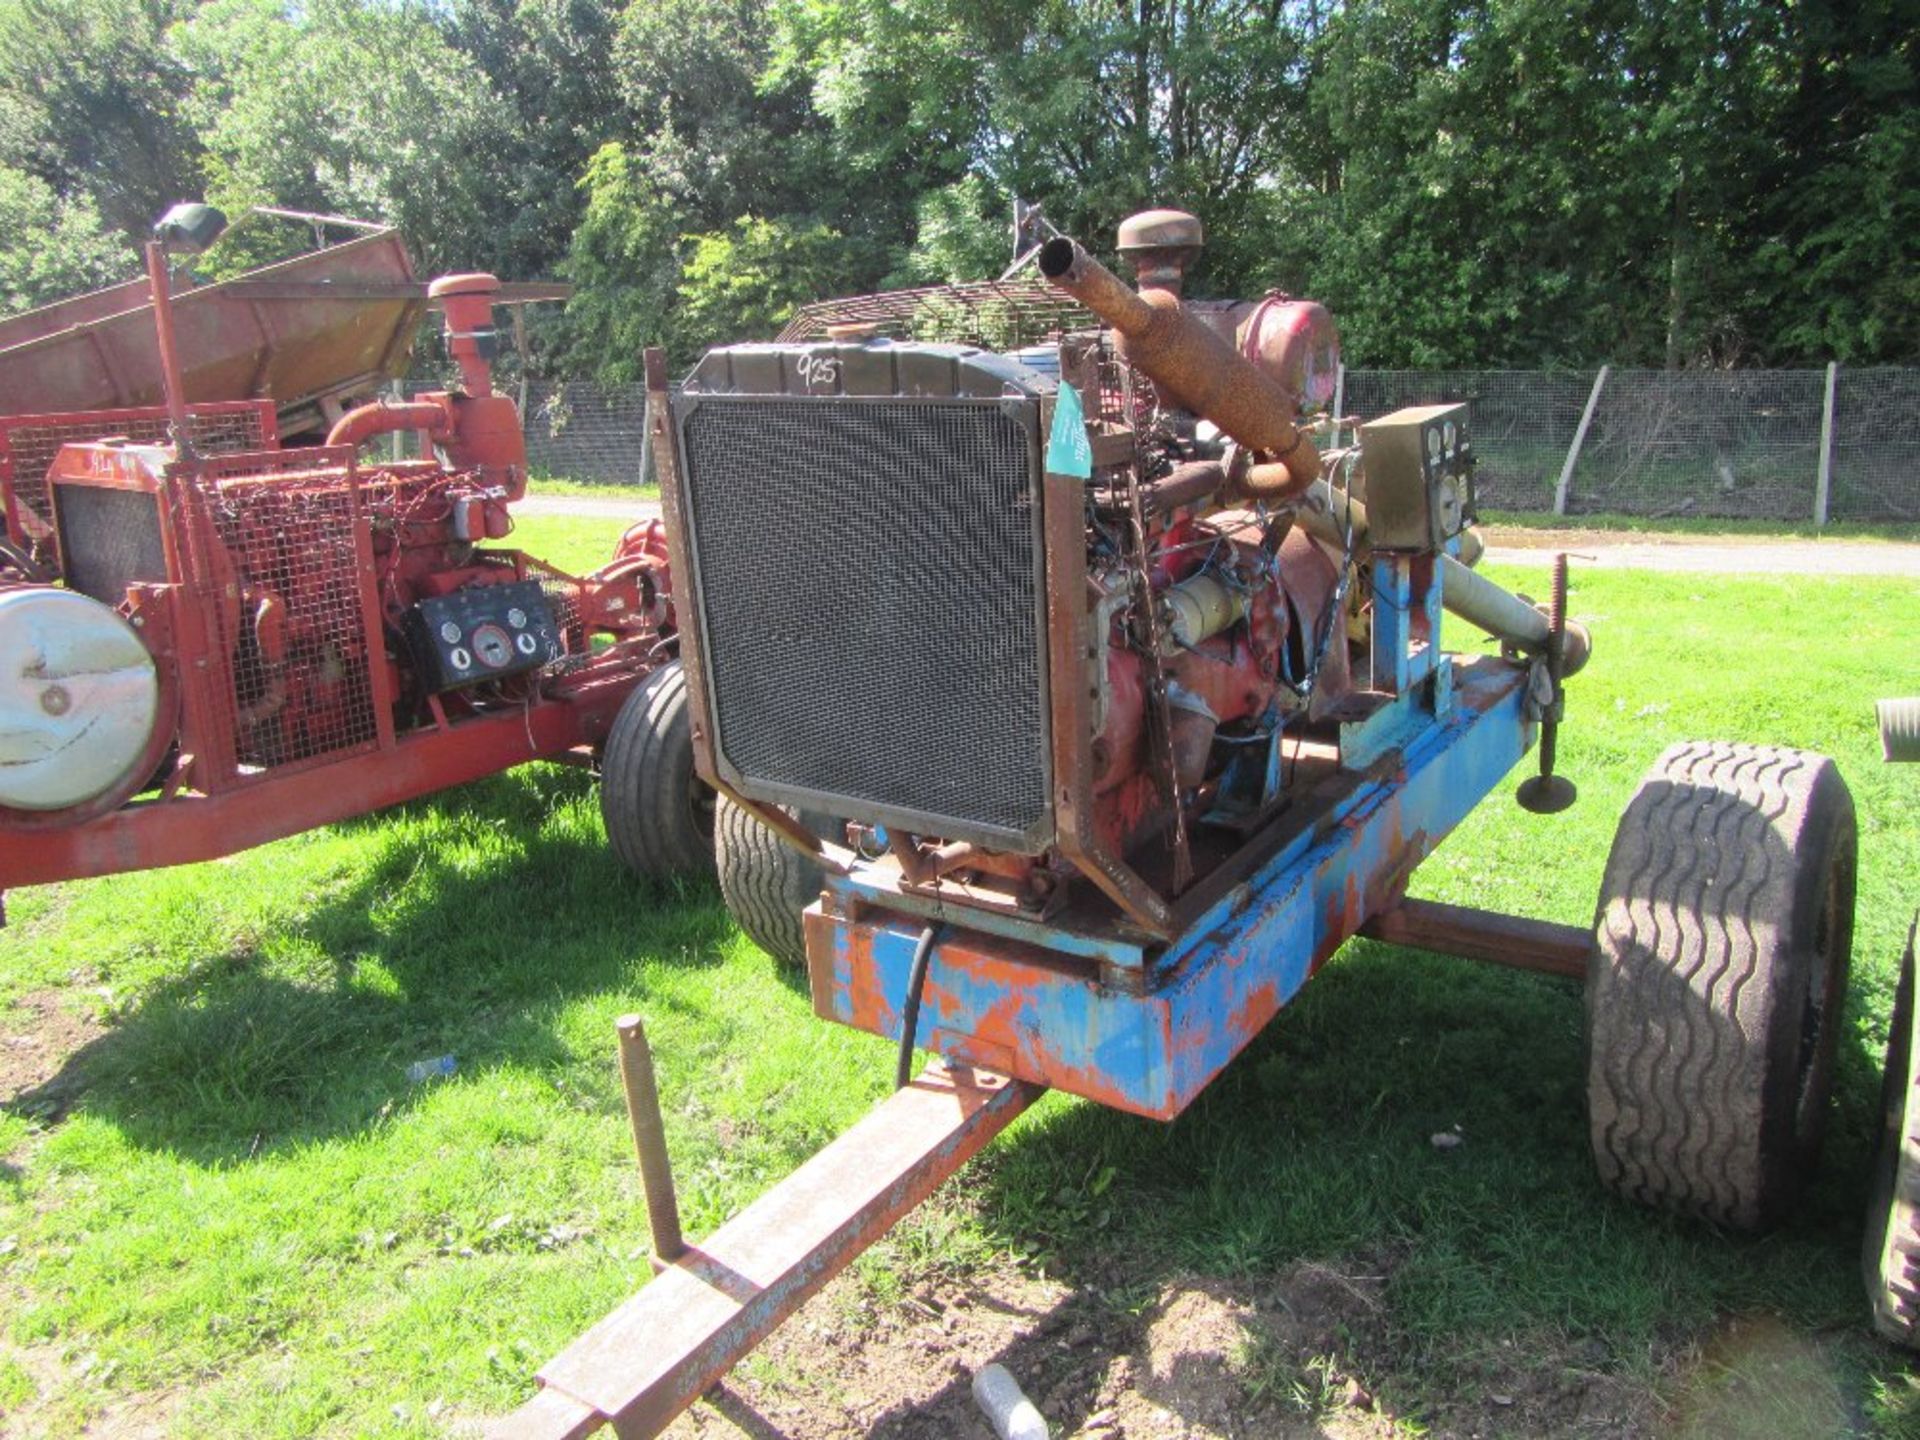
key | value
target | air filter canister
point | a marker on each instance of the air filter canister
(79, 696)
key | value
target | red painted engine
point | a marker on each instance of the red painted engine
(1233, 626)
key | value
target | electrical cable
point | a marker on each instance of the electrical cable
(910, 1014)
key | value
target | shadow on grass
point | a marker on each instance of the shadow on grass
(469, 949)
(1317, 1144)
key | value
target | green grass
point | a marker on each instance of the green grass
(593, 490)
(577, 544)
(245, 1203)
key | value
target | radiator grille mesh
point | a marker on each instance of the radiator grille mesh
(871, 595)
(112, 540)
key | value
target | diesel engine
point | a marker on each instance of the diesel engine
(1055, 622)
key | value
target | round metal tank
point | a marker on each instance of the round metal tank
(79, 697)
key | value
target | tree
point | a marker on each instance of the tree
(51, 248)
(91, 103)
(354, 108)
(551, 64)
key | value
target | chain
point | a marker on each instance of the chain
(1158, 711)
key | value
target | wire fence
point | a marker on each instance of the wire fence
(1799, 445)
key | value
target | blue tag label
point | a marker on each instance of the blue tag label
(1068, 452)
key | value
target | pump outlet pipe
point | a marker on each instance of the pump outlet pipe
(1464, 592)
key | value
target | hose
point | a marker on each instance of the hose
(910, 1015)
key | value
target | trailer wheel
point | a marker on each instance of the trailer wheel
(1890, 1258)
(765, 881)
(659, 813)
(1719, 969)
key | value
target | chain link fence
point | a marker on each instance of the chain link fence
(595, 434)
(1793, 445)
(1522, 422)
(1876, 446)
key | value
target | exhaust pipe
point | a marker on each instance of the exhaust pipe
(1190, 363)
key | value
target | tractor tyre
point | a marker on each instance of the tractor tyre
(1718, 974)
(765, 881)
(659, 812)
(1890, 1258)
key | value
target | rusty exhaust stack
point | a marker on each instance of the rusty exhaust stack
(1191, 364)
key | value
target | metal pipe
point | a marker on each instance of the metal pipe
(650, 1141)
(161, 285)
(1465, 593)
(1513, 940)
(1185, 358)
(361, 424)
(1186, 484)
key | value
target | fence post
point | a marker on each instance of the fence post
(1339, 398)
(1579, 439)
(1823, 488)
(519, 313)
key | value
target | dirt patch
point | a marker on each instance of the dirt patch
(39, 1034)
(72, 1397)
(1308, 1351)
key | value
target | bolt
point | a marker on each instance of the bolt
(55, 700)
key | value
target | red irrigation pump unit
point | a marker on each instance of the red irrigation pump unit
(208, 641)
(1132, 702)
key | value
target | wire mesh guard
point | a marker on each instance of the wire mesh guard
(28, 445)
(302, 686)
(993, 314)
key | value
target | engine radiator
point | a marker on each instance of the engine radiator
(870, 581)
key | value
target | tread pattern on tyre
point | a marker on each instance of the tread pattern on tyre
(1893, 1224)
(1690, 961)
(765, 882)
(647, 781)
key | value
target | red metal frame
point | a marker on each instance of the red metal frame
(149, 834)
(140, 423)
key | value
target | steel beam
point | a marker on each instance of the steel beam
(1484, 935)
(1038, 1011)
(660, 1351)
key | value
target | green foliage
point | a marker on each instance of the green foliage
(747, 280)
(961, 234)
(355, 110)
(556, 98)
(51, 248)
(622, 263)
(1466, 182)
(91, 103)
